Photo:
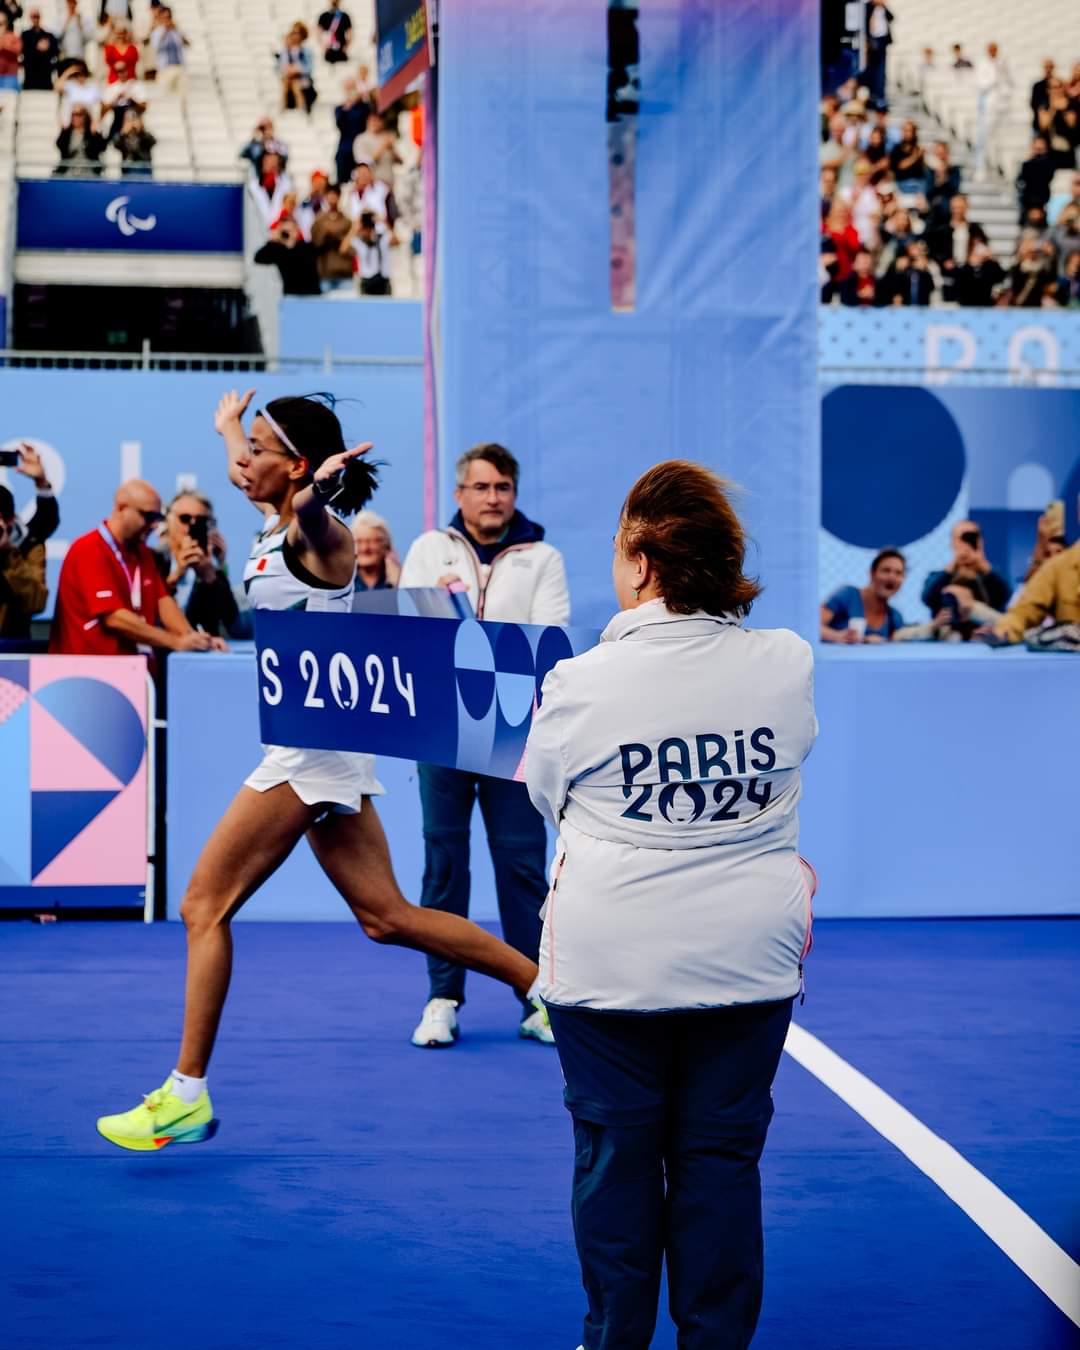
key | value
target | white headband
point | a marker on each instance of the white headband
(275, 427)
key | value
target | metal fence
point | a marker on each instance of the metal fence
(148, 359)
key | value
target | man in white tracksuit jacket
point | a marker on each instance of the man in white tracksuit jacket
(499, 558)
(668, 758)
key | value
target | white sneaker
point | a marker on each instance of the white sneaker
(438, 1024)
(537, 1027)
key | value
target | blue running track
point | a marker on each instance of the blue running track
(362, 1193)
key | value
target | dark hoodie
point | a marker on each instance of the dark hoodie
(521, 530)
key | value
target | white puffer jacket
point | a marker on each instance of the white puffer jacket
(526, 583)
(668, 759)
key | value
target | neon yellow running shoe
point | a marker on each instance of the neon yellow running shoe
(161, 1119)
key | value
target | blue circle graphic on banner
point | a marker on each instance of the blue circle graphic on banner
(892, 463)
(554, 646)
(515, 674)
(474, 666)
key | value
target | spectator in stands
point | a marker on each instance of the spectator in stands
(1053, 593)
(313, 204)
(81, 146)
(293, 256)
(889, 134)
(950, 243)
(376, 146)
(876, 155)
(865, 205)
(959, 60)
(191, 562)
(336, 27)
(111, 600)
(944, 181)
(828, 190)
(968, 564)
(370, 242)
(1040, 93)
(835, 154)
(828, 108)
(879, 21)
(77, 90)
(264, 141)
(296, 66)
(1061, 127)
(289, 203)
(927, 64)
(271, 187)
(112, 13)
(960, 617)
(910, 281)
(978, 280)
(329, 230)
(121, 51)
(845, 239)
(74, 35)
(1034, 178)
(377, 569)
(1049, 541)
(861, 287)
(23, 592)
(856, 614)
(370, 194)
(126, 95)
(897, 232)
(40, 50)
(1031, 273)
(1060, 203)
(908, 162)
(169, 43)
(10, 54)
(351, 116)
(993, 84)
(1068, 292)
(136, 146)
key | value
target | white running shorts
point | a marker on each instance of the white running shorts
(340, 778)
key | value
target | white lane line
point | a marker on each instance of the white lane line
(1001, 1219)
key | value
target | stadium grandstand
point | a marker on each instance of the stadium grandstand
(954, 115)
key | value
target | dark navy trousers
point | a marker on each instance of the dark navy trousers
(670, 1116)
(518, 843)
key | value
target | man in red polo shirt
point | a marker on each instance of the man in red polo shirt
(111, 600)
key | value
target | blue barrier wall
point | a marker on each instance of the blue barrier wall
(96, 429)
(349, 326)
(901, 464)
(219, 695)
(921, 798)
(941, 344)
(717, 362)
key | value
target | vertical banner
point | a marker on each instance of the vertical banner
(73, 828)
(716, 360)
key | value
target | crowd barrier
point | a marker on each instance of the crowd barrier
(941, 785)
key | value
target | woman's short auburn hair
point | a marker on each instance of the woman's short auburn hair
(679, 515)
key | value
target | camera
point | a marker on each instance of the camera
(199, 529)
(972, 538)
(9, 458)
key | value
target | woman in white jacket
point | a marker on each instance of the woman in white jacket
(679, 914)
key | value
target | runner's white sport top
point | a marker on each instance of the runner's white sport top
(275, 578)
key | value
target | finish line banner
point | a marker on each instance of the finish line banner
(455, 692)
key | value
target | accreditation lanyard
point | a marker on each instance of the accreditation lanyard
(132, 576)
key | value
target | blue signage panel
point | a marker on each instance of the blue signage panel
(130, 215)
(455, 692)
(402, 45)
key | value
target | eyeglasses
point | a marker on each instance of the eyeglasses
(186, 518)
(482, 489)
(151, 517)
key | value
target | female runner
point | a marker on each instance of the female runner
(294, 465)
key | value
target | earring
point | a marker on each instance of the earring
(637, 595)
